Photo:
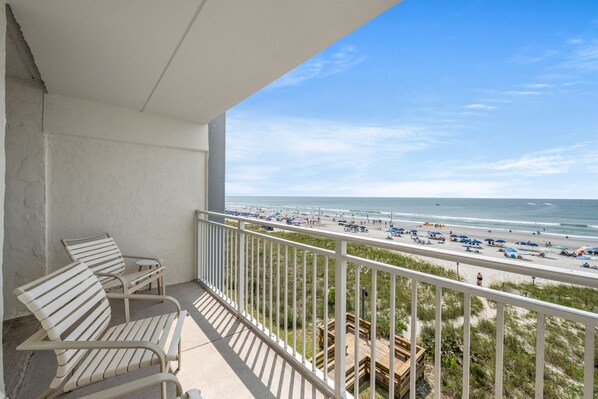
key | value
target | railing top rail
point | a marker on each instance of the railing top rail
(536, 305)
(562, 275)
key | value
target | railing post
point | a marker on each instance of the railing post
(197, 246)
(340, 315)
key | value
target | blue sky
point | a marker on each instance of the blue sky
(463, 98)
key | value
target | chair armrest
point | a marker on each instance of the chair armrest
(35, 343)
(123, 282)
(157, 260)
(145, 297)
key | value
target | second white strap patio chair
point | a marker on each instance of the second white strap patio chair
(101, 254)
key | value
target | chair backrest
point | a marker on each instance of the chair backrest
(71, 305)
(99, 252)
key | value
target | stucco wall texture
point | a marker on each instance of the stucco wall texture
(145, 196)
(25, 200)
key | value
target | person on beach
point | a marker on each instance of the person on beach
(480, 278)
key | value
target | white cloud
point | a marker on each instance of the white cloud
(536, 86)
(479, 106)
(584, 58)
(320, 66)
(269, 155)
(553, 161)
(524, 93)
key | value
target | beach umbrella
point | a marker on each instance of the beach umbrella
(582, 257)
(500, 241)
(476, 247)
(521, 243)
(462, 236)
(413, 231)
(561, 247)
(583, 248)
(488, 239)
(474, 241)
(454, 235)
(510, 250)
(533, 244)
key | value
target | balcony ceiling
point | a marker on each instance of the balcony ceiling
(189, 59)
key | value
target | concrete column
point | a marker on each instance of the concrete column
(2, 165)
(216, 165)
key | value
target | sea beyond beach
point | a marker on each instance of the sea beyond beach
(566, 223)
(557, 217)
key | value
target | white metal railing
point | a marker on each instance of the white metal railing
(253, 272)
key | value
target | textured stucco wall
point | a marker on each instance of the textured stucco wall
(25, 200)
(145, 196)
(2, 162)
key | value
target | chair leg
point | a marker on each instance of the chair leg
(159, 282)
(163, 286)
(126, 300)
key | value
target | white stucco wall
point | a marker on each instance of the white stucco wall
(145, 195)
(25, 200)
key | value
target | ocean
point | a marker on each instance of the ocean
(552, 216)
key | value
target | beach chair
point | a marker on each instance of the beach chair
(105, 259)
(74, 312)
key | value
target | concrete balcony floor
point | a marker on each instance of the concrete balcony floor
(221, 356)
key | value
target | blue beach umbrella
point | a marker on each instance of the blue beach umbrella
(454, 235)
(488, 239)
(532, 244)
(500, 241)
(413, 231)
(462, 236)
(562, 247)
(476, 247)
(521, 243)
(474, 241)
(510, 250)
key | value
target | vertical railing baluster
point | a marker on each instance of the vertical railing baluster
(270, 303)
(325, 337)
(356, 332)
(413, 359)
(313, 311)
(225, 265)
(466, 343)
(373, 335)
(500, 345)
(540, 355)
(295, 301)
(241, 280)
(252, 283)
(304, 307)
(264, 283)
(588, 362)
(286, 296)
(391, 354)
(278, 292)
(258, 286)
(438, 344)
(340, 315)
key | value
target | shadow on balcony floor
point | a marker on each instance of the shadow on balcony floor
(221, 356)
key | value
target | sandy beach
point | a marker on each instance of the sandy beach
(468, 272)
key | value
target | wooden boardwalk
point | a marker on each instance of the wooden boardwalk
(382, 356)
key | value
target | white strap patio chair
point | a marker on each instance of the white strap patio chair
(74, 312)
(105, 259)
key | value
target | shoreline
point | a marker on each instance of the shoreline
(387, 216)
(468, 272)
